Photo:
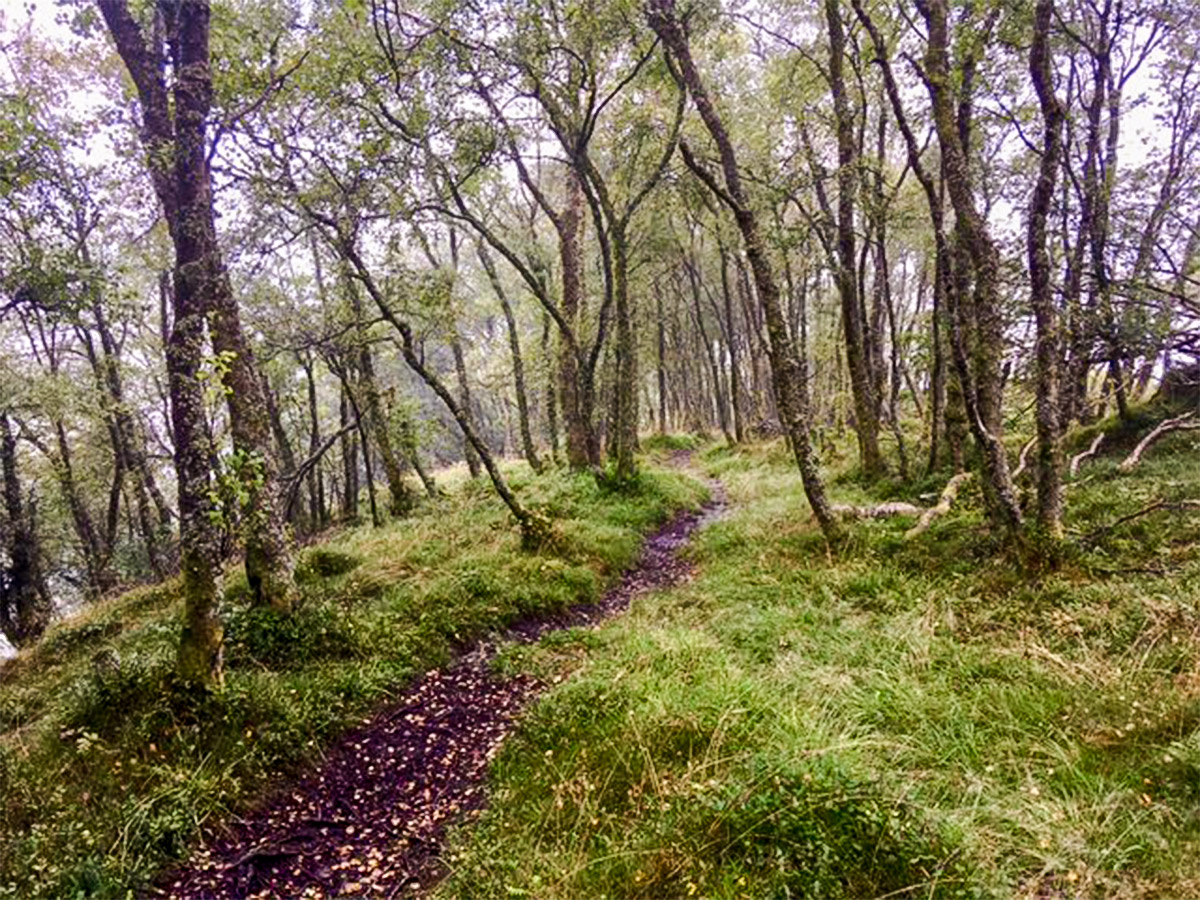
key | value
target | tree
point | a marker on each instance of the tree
(179, 133)
(789, 373)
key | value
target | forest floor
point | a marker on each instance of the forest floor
(111, 771)
(947, 716)
(369, 820)
(944, 716)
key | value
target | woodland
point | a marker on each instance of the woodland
(764, 435)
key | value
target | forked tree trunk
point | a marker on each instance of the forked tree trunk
(979, 371)
(186, 198)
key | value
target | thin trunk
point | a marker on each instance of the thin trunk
(790, 377)
(866, 424)
(1049, 427)
(25, 606)
(514, 346)
(735, 366)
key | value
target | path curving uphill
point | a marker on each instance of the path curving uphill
(369, 821)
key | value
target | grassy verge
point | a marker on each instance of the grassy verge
(108, 769)
(906, 719)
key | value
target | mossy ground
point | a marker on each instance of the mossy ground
(108, 769)
(934, 718)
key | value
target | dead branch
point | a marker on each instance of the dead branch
(882, 511)
(1186, 422)
(1172, 505)
(1023, 459)
(949, 494)
(1080, 458)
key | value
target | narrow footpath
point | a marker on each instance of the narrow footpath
(369, 821)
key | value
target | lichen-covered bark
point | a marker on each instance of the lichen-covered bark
(979, 366)
(186, 198)
(183, 191)
(518, 364)
(1049, 426)
(866, 422)
(574, 396)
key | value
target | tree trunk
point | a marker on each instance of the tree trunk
(349, 512)
(25, 606)
(514, 346)
(179, 134)
(625, 388)
(982, 382)
(853, 324)
(735, 366)
(1049, 428)
(576, 412)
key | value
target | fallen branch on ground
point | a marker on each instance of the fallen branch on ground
(1173, 505)
(949, 494)
(1179, 423)
(1080, 458)
(882, 511)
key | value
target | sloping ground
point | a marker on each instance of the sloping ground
(109, 770)
(935, 718)
(369, 820)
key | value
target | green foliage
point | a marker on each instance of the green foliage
(324, 562)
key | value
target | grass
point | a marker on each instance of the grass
(935, 718)
(108, 769)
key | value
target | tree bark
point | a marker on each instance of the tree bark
(25, 606)
(866, 422)
(186, 198)
(1049, 426)
(514, 346)
(979, 369)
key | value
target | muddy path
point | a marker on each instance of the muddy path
(369, 820)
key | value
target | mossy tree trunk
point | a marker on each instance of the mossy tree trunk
(184, 191)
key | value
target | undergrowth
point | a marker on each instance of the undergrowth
(109, 768)
(926, 718)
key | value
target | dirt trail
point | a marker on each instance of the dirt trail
(368, 821)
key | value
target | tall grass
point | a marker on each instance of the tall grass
(935, 718)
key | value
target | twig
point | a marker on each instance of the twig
(1173, 505)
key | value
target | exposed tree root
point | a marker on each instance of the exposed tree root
(887, 510)
(1023, 459)
(949, 495)
(882, 511)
